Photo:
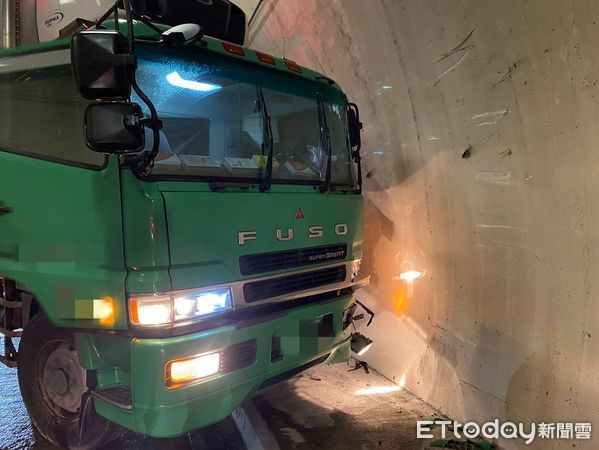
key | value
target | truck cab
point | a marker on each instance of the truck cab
(160, 299)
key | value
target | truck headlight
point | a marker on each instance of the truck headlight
(178, 306)
(201, 303)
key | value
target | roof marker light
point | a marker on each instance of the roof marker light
(175, 79)
(265, 58)
(236, 50)
(293, 66)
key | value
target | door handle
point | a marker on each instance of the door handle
(5, 209)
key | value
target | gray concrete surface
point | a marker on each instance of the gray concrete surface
(481, 160)
(331, 408)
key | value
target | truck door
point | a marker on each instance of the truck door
(60, 207)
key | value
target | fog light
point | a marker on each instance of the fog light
(360, 344)
(184, 371)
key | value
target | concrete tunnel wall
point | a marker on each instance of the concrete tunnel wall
(481, 150)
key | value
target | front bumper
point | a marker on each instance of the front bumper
(160, 412)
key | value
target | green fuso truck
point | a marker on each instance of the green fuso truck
(207, 249)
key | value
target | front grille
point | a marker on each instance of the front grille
(238, 356)
(269, 262)
(274, 287)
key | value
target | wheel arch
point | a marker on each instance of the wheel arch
(30, 306)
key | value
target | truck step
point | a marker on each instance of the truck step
(119, 396)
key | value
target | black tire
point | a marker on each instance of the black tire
(60, 426)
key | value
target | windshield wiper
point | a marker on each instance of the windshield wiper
(267, 139)
(325, 137)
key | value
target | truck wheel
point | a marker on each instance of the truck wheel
(52, 383)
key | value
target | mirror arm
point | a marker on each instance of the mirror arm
(151, 123)
(357, 157)
(358, 160)
(146, 21)
(144, 164)
(113, 10)
(130, 38)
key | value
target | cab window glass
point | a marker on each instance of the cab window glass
(42, 114)
(214, 124)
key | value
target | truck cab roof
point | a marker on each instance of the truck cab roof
(214, 45)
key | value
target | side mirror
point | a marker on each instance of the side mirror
(114, 127)
(355, 126)
(101, 64)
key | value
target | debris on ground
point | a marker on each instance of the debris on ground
(360, 365)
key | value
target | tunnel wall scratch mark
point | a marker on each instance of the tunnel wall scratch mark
(504, 227)
(458, 48)
(450, 332)
(494, 116)
(461, 47)
(456, 64)
(493, 177)
(502, 400)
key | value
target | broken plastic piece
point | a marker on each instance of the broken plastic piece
(368, 310)
(360, 365)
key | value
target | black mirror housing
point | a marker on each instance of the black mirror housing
(101, 64)
(114, 128)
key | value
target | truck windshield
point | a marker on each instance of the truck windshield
(213, 124)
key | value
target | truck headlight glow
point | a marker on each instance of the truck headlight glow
(163, 309)
(201, 303)
(184, 371)
(150, 310)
